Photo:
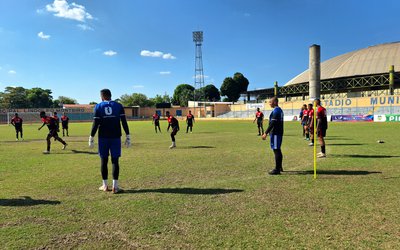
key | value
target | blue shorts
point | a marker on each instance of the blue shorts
(276, 141)
(110, 145)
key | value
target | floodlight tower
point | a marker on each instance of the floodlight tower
(198, 68)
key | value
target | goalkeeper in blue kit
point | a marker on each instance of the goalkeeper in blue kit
(108, 117)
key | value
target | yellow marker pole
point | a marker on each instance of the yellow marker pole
(315, 139)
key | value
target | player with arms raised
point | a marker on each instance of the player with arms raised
(53, 131)
(16, 121)
(108, 117)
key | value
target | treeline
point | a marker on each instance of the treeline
(19, 97)
(231, 88)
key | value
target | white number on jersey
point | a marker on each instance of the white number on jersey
(108, 110)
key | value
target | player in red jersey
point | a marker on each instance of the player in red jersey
(322, 126)
(259, 118)
(58, 120)
(172, 122)
(189, 122)
(156, 122)
(64, 123)
(52, 125)
(304, 121)
(16, 121)
(310, 124)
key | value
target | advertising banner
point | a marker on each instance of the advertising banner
(393, 118)
(352, 118)
(255, 106)
(379, 118)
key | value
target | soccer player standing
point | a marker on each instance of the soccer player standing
(156, 122)
(259, 118)
(53, 131)
(64, 123)
(172, 122)
(58, 120)
(189, 121)
(322, 126)
(275, 129)
(304, 122)
(16, 121)
(310, 124)
(108, 117)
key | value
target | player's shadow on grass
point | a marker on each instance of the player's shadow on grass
(365, 156)
(200, 147)
(83, 152)
(334, 172)
(196, 191)
(26, 201)
(345, 144)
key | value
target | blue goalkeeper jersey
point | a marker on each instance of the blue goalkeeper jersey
(276, 119)
(109, 114)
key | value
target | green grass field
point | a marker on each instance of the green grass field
(212, 191)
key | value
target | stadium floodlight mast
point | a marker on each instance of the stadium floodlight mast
(198, 69)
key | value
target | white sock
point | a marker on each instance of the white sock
(104, 182)
(173, 144)
(115, 183)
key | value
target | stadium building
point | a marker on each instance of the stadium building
(361, 82)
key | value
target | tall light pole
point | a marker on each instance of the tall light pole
(198, 68)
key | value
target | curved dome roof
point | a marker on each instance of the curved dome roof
(372, 60)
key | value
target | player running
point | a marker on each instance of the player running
(52, 125)
(259, 118)
(275, 129)
(64, 123)
(156, 122)
(172, 122)
(16, 121)
(322, 126)
(189, 122)
(108, 117)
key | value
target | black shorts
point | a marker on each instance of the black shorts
(259, 124)
(157, 123)
(190, 124)
(174, 130)
(321, 132)
(65, 126)
(18, 128)
(53, 133)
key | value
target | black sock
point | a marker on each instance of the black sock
(104, 168)
(323, 149)
(312, 140)
(115, 170)
(278, 159)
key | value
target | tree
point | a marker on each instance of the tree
(242, 81)
(182, 94)
(14, 97)
(231, 89)
(66, 100)
(211, 93)
(92, 103)
(39, 98)
(135, 99)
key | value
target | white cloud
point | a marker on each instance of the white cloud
(110, 53)
(43, 36)
(12, 72)
(168, 56)
(247, 14)
(138, 86)
(165, 72)
(84, 27)
(73, 11)
(163, 55)
(1, 68)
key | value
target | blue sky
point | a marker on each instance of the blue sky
(75, 48)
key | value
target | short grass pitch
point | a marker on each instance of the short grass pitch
(212, 191)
